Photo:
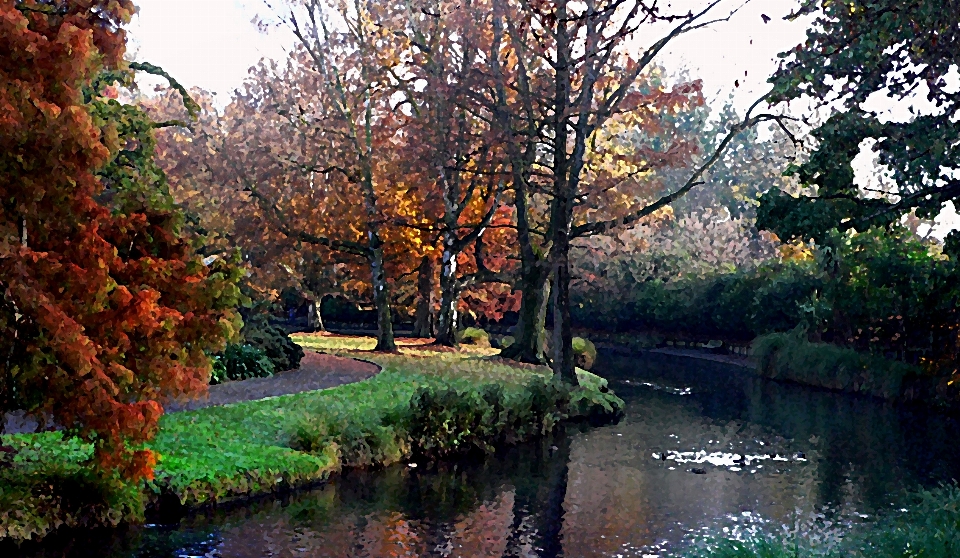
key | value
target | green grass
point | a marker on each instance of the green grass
(928, 526)
(789, 356)
(417, 404)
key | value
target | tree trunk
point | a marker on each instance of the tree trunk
(314, 319)
(566, 169)
(381, 298)
(449, 298)
(423, 318)
(563, 364)
(528, 335)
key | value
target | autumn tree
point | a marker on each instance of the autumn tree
(336, 102)
(106, 309)
(564, 90)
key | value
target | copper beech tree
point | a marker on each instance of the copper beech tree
(106, 309)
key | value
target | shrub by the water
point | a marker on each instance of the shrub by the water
(51, 481)
(240, 361)
(789, 356)
(884, 293)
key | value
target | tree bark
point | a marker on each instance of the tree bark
(566, 170)
(563, 363)
(528, 335)
(381, 298)
(447, 320)
(423, 318)
(314, 319)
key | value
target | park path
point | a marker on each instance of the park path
(316, 371)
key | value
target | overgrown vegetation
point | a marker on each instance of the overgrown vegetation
(929, 526)
(789, 356)
(882, 293)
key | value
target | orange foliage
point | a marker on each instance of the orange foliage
(104, 313)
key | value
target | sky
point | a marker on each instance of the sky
(212, 44)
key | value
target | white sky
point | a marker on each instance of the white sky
(212, 44)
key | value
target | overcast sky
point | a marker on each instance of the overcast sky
(212, 44)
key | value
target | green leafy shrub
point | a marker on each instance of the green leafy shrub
(240, 361)
(357, 440)
(789, 356)
(475, 336)
(51, 482)
(446, 421)
(272, 341)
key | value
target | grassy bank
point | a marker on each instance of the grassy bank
(928, 526)
(424, 404)
(789, 356)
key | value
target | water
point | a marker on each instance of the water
(703, 446)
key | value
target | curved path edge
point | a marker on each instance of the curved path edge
(317, 371)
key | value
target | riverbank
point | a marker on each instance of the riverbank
(424, 404)
(790, 357)
(928, 526)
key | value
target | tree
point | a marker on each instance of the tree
(857, 52)
(563, 89)
(106, 309)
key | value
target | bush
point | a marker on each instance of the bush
(357, 441)
(584, 352)
(443, 419)
(273, 342)
(240, 362)
(51, 481)
(789, 356)
(448, 421)
(475, 336)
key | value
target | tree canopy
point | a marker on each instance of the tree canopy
(859, 53)
(106, 311)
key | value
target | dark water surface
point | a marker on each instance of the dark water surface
(703, 445)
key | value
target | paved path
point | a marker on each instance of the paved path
(317, 371)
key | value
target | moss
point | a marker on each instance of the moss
(584, 352)
(475, 336)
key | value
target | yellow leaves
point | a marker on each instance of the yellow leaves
(796, 252)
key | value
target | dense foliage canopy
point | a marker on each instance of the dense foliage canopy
(859, 56)
(106, 310)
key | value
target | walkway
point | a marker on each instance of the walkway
(317, 371)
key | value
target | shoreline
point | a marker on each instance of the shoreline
(223, 455)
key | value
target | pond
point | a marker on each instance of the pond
(703, 446)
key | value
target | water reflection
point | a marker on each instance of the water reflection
(702, 444)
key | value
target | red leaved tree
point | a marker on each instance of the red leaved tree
(106, 310)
